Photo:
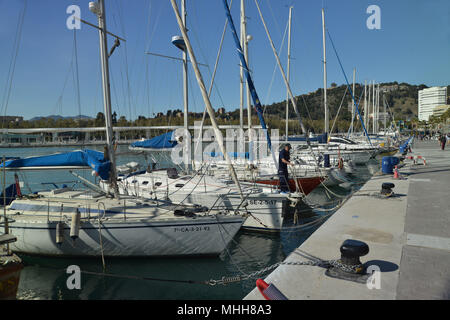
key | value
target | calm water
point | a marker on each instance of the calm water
(45, 278)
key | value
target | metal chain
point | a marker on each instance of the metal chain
(320, 263)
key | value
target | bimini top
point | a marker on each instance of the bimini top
(80, 159)
(165, 141)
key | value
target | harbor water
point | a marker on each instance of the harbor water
(163, 278)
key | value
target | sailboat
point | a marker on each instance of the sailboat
(264, 204)
(67, 222)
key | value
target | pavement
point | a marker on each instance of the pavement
(408, 237)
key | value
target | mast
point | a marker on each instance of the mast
(277, 58)
(378, 106)
(326, 129)
(366, 114)
(353, 105)
(247, 38)
(250, 84)
(185, 90)
(373, 106)
(385, 114)
(205, 96)
(99, 10)
(241, 69)
(288, 72)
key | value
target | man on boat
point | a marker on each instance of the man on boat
(283, 162)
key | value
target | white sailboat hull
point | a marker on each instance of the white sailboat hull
(201, 236)
(264, 209)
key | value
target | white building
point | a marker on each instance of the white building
(429, 99)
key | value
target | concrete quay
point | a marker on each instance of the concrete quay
(408, 236)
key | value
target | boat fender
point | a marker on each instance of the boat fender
(269, 291)
(16, 178)
(75, 224)
(60, 233)
(341, 163)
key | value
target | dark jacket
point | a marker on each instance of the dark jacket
(281, 165)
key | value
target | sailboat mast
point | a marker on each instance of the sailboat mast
(246, 40)
(288, 72)
(366, 113)
(241, 74)
(353, 105)
(326, 129)
(205, 96)
(107, 92)
(385, 114)
(378, 106)
(185, 90)
(373, 106)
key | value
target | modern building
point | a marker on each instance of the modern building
(429, 99)
(440, 110)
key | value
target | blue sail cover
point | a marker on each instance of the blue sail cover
(164, 141)
(81, 158)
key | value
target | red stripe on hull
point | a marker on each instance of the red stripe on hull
(306, 184)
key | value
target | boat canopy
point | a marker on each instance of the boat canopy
(79, 159)
(164, 141)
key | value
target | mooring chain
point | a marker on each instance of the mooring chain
(319, 263)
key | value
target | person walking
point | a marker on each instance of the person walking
(283, 174)
(443, 140)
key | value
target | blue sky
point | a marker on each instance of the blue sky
(412, 46)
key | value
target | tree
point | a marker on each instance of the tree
(100, 120)
(114, 118)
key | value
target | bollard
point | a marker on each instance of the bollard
(349, 267)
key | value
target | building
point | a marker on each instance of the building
(440, 110)
(429, 99)
(6, 119)
(389, 88)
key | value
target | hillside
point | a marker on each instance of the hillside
(402, 100)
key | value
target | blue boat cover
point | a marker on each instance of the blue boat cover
(81, 158)
(164, 141)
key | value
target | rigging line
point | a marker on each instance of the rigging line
(12, 65)
(307, 109)
(77, 84)
(212, 79)
(58, 104)
(206, 61)
(273, 17)
(337, 114)
(357, 105)
(351, 92)
(294, 103)
(127, 96)
(275, 68)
